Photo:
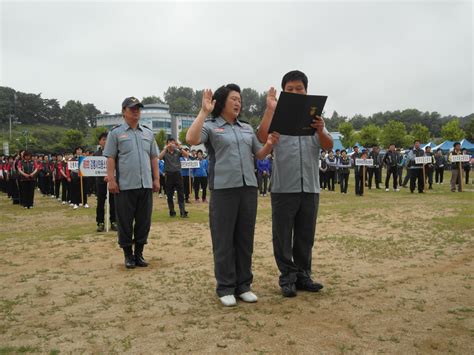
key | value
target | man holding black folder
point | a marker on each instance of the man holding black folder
(295, 179)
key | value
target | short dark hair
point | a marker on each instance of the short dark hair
(338, 150)
(456, 143)
(294, 75)
(170, 140)
(199, 151)
(220, 96)
(416, 140)
(26, 153)
(343, 151)
(75, 149)
(103, 135)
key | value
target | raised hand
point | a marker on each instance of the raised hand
(271, 99)
(207, 102)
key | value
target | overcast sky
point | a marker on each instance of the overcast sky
(366, 56)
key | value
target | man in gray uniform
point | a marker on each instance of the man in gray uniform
(132, 173)
(295, 195)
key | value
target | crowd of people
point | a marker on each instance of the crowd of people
(240, 164)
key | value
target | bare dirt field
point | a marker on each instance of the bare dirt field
(397, 269)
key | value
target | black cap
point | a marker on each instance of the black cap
(131, 102)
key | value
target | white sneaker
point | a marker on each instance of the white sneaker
(52, 196)
(64, 202)
(228, 301)
(80, 205)
(86, 205)
(249, 297)
(71, 204)
(75, 207)
(397, 190)
(387, 190)
(59, 199)
(161, 196)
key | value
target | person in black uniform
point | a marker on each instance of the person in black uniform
(171, 154)
(374, 170)
(101, 193)
(416, 172)
(429, 168)
(466, 167)
(357, 170)
(440, 162)
(28, 170)
(344, 165)
(391, 160)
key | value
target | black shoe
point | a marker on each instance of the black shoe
(100, 227)
(288, 290)
(184, 214)
(172, 214)
(130, 262)
(140, 261)
(308, 285)
(129, 258)
(114, 226)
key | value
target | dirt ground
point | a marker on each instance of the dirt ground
(397, 270)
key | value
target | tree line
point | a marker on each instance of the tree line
(400, 127)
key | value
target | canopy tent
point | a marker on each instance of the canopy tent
(445, 146)
(465, 144)
(429, 144)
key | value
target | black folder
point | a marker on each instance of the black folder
(295, 113)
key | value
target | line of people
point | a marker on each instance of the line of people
(335, 168)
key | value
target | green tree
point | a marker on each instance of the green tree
(161, 139)
(420, 132)
(469, 129)
(369, 135)
(347, 134)
(74, 115)
(152, 100)
(91, 112)
(452, 131)
(182, 136)
(181, 105)
(393, 132)
(96, 132)
(72, 138)
(250, 100)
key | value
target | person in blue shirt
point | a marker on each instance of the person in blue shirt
(263, 172)
(200, 177)
(162, 178)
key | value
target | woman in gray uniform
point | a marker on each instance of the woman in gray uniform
(231, 145)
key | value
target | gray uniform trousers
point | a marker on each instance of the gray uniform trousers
(133, 205)
(232, 215)
(294, 226)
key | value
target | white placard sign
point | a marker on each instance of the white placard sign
(93, 166)
(460, 158)
(424, 160)
(73, 165)
(364, 162)
(190, 164)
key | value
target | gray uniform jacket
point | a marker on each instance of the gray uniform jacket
(132, 151)
(230, 150)
(296, 164)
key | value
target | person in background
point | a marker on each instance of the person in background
(200, 177)
(440, 162)
(338, 173)
(162, 191)
(171, 154)
(400, 164)
(101, 193)
(187, 176)
(28, 170)
(331, 171)
(323, 168)
(263, 172)
(374, 170)
(455, 168)
(357, 170)
(391, 159)
(466, 167)
(416, 172)
(344, 166)
(359, 174)
(429, 168)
